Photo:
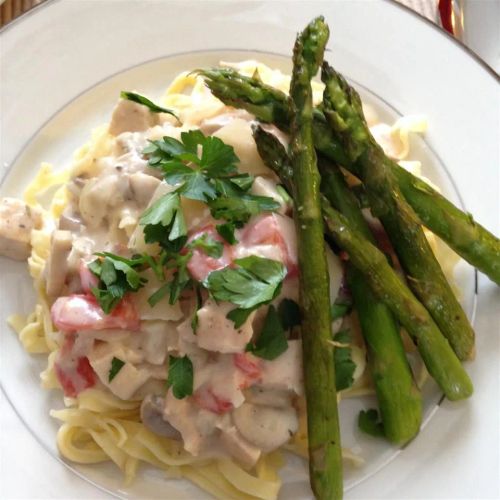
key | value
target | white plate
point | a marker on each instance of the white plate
(55, 89)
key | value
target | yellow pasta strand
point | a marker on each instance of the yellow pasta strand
(245, 482)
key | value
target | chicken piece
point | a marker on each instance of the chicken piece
(129, 116)
(210, 125)
(239, 448)
(263, 186)
(162, 310)
(157, 338)
(238, 133)
(100, 194)
(17, 220)
(265, 427)
(197, 426)
(215, 332)
(219, 383)
(126, 380)
(284, 372)
(143, 186)
(57, 263)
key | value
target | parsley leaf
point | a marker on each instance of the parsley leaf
(196, 187)
(208, 155)
(339, 310)
(116, 366)
(255, 281)
(369, 422)
(289, 313)
(159, 294)
(210, 247)
(180, 376)
(164, 222)
(239, 316)
(341, 307)
(344, 365)
(206, 170)
(242, 181)
(180, 280)
(140, 99)
(271, 342)
(239, 208)
(227, 232)
(117, 276)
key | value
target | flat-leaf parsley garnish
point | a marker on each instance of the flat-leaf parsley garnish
(272, 341)
(140, 99)
(344, 365)
(116, 366)
(204, 168)
(117, 276)
(255, 281)
(164, 223)
(180, 376)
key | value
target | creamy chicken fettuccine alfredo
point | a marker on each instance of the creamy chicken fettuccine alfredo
(165, 264)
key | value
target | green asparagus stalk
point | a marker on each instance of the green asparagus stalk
(439, 358)
(400, 401)
(399, 398)
(462, 233)
(436, 353)
(469, 239)
(342, 108)
(325, 459)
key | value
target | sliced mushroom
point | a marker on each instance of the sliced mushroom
(57, 265)
(152, 417)
(143, 186)
(266, 427)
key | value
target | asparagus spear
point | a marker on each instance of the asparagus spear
(464, 235)
(342, 108)
(436, 353)
(399, 399)
(325, 459)
(469, 239)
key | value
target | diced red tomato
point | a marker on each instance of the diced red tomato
(250, 366)
(82, 312)
(276, 230)
(72, 370)
(201, 265)
(206, 399)
(88, 279)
